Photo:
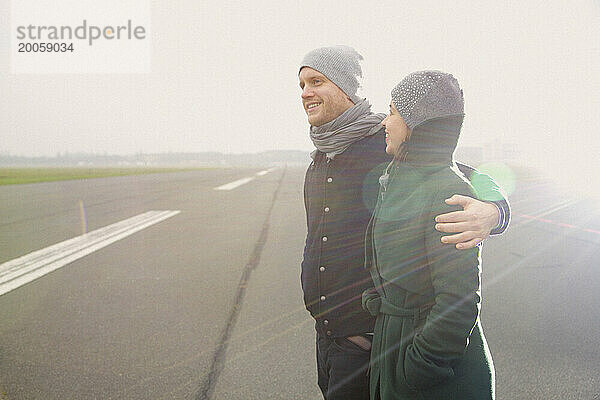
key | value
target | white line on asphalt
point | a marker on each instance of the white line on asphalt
(240, 182)
(31, 266)
(234, 184)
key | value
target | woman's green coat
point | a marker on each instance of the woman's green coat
(428, 342)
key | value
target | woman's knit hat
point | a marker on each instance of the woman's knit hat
(340, 64)
(424, 95)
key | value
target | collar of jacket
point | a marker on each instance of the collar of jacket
(432, 143)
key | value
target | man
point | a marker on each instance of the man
(340, 191)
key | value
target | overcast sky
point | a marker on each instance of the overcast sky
(224, 77)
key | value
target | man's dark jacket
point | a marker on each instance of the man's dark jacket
(339, 196)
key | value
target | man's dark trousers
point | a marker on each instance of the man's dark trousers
(343, 369)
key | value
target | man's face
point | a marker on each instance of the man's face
(323, 101)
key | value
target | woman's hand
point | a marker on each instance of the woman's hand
(473, 224)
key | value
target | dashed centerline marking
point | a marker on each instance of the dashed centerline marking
(234, 184)
(243, 181)
(261, 173)
(29, 267)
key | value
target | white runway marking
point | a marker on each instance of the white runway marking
(234, 184)
(243, 181)
(31, 266)
(266, 171)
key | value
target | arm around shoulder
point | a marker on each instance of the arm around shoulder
(486, 189)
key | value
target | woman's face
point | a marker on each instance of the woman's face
(396, 131)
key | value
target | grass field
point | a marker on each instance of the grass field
(15, 176)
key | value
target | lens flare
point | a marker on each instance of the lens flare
(499, 172)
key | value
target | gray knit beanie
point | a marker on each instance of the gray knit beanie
(340, 64)
(424, 95)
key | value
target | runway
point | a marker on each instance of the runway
(206, 304)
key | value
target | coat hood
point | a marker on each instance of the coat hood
(433, 141)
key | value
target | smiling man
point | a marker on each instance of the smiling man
(340, 191)
(323, 100)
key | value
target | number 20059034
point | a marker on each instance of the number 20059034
(45, 47)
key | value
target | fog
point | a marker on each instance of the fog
(224, 78)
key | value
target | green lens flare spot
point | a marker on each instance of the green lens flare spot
(501, 173)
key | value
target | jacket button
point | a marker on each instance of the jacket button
(322, 269)
(324, 238)
(323, 298)
(328, 333)
(330, 179)
(326, 209)
(326, 322)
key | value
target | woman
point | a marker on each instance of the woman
(428, 342)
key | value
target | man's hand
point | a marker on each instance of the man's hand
(474, 223)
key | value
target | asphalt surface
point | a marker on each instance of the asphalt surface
(207, 304)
